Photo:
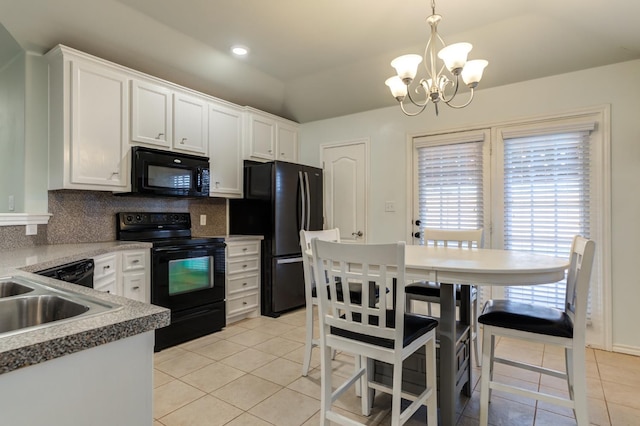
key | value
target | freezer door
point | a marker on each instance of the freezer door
(287, 284)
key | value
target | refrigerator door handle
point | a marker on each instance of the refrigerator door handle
(302, 200)
(306, 184)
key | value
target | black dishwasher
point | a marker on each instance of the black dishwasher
(79, 272)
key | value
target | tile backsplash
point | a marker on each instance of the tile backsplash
(89, 216)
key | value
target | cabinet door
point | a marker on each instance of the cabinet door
(99, 126)
(287, 143)
(262, 137)
(189, 124)
(225, 151)
(150, 114)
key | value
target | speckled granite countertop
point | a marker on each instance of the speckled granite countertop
(39, 345)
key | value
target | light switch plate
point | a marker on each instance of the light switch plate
(203, 219)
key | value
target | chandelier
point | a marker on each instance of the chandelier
(442, 85)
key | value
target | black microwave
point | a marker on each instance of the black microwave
(170, 174)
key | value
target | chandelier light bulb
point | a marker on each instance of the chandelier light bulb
(472, 72)
(455, 56)
(407, 67)
(397, 87)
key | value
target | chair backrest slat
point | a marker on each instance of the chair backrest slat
(367, 267)
(469, 238)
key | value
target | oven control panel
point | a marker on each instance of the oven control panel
(156, 219)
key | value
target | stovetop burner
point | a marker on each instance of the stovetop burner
(162, 229)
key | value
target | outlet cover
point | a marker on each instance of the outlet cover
(203, 219)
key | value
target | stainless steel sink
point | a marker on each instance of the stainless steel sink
(10, 288)
(28, 304)
(29, 311)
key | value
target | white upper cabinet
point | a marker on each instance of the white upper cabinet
(262, 136)
(151, 114)
(164, 118)
(88, 108)
(287, 142)
(270, 137)
(225, 150)
(189, 124)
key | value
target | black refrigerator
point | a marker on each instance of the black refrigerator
(280, 199)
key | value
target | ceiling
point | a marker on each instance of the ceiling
(316, 60)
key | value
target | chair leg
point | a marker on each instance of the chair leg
(325, 384)
(366, 391)
(486, 377)
(432, 402)
(396, 394)
(476, 333)
(357, 365)
(308, 341)
(575, 359)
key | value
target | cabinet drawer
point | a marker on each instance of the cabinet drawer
(243, 265)
(104, 266)
(132, 260)
(244, 303)
(242, 283)
(235, 249)
(134, 286)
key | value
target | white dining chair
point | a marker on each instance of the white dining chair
(429, 292)
(372, 331)
(310, 291)
(548, 325)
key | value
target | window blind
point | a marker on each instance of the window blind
(546, 202)
(450, 185)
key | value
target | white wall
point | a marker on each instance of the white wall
(12, 84)
(389, 129)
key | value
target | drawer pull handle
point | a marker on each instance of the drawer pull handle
(244, 266)
(244, 303)
(244, 249)
(106, 267)
(136, 288)
(159, 135)
(244, 283)
(135, 261)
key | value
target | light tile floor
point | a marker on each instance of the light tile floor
(250, 374)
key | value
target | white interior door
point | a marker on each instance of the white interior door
(346, 168)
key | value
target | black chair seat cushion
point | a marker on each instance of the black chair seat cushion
(430, 289)
(527, 317)
(415, 325)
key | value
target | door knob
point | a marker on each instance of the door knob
(357, 234)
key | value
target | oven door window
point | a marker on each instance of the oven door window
(188, 275)
(168, 177)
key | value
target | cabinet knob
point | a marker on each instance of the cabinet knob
(244, 266)
(106, 267)
(183, 140)
(160, 135)
(244, 303)
(270, 151)
(244, 283)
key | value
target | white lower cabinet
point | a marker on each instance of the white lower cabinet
(124, 273)
(243, 279)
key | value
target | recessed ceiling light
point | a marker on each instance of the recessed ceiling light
(240, 50)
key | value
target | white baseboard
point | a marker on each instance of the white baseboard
(630, 350)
